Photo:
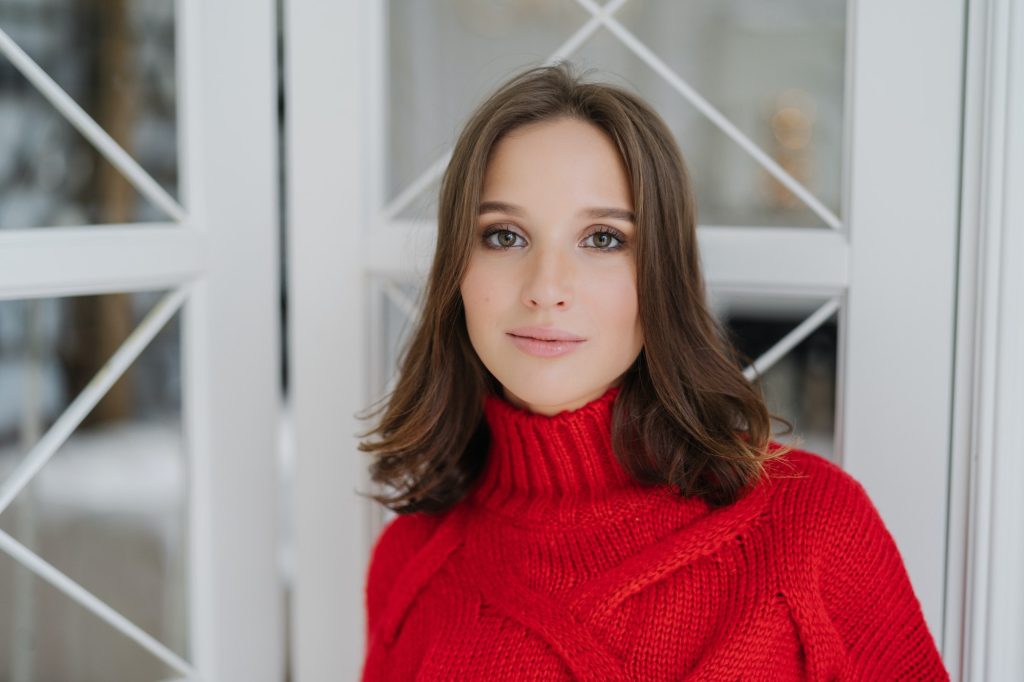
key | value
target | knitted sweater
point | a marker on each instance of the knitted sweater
(558, 565)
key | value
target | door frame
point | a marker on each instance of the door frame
(986, 511)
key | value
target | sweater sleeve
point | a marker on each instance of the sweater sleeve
(396, 544)
(867, 591)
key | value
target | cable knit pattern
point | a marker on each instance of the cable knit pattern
(559, 566)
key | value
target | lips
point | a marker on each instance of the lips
(546, 347)
(545, 334)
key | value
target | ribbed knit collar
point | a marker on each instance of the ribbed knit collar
(553, 468)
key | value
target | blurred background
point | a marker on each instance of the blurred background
(110, 509)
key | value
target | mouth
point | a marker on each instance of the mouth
(545, 334)
(545, 347)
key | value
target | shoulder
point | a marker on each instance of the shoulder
(395, 548)
(801, 479)
(400, 539)
(821, 498)
(808, 472)
(856, 566)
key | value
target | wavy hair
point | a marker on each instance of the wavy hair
(685, 415)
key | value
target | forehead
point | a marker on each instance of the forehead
(566, 158)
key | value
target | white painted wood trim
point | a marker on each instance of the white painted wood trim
(231, 345)
(986, 554)
(328, 191)
(61, 261)
(896, 331)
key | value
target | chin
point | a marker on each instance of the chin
(542, 394)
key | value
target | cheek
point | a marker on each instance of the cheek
(620, 314)
(627, 311)
(476, 297)
(617, 299)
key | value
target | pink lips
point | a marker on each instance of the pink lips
(552, 342)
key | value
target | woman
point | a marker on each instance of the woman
(586, 483)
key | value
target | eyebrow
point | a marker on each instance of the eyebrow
(592, 212)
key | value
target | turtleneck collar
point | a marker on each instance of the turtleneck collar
(554, 468)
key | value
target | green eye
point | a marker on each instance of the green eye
(605, 236)
(503, 241)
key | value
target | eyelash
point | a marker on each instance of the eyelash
(606, 230)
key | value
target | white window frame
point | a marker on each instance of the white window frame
(218, 254)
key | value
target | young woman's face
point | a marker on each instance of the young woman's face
(554, 251)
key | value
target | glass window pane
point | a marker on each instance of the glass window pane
(801, 386)
(47, 636)
(116, 60)
(445, 56)
(109, 508)
(395, 302)
(774, 70)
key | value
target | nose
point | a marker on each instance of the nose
(549, 280)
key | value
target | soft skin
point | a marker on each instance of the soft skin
(556, 269)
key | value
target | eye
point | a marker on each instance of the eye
(605, 239)
(503, 241)
(603, 236)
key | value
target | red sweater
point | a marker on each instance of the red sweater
(559, 566)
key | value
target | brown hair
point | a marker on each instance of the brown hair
(685, 414)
